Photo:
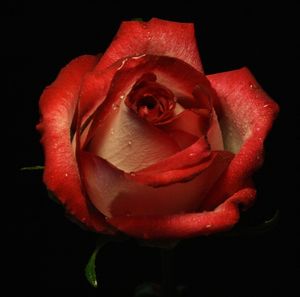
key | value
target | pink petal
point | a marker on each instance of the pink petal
(129, 142)
(248, 115)
(214, 134)
(210, 169)
(156, 37)
(191, 156)
(190, 123)
(94, 89)
(181, 77)
(57, 106)
(114, 194)
(180, 226)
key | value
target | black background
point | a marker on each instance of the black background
(48, 252)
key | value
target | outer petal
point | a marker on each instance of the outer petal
(222, 218)
(57, 106)
(248, 114)
(156, 37)
(115, 194)
(95, 86)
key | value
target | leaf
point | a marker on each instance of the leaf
(32, 168)
(90, 268)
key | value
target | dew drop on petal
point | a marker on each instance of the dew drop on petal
(112, 131)
(115, 106)
(266, 105)
(253, 86)
(208, 226)
(132, 173)
(129, 142)
(192, 154)
(149, 35)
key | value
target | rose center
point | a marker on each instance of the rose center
(150, 100)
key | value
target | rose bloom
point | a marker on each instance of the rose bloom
(139, 140)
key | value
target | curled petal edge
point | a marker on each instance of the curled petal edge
(223, 218)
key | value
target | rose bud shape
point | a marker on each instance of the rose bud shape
(141, 141)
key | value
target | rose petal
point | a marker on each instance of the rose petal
(94, 88)
(129, 142)
(210, 169)
(223, 218)
(57, 106)
(248, 114)
(156, 37)
(191, 123)
(169, 71)
(214, 134)
(191, 156)
(182, 138)
(114, 194)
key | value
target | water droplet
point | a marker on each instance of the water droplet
(149, 37)
(83, 220)
(258, 157)
(129, 142)
(208, 226)
(66, 174)
(192, 154)
(132, 173)
(253, 86)
(258, 129)
(112, 131)
(115, 106)
(266, 105)
(122, 97)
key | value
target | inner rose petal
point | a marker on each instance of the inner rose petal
(130, 143)
(151, 100)
(148, 94)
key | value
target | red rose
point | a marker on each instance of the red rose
(142, 141)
